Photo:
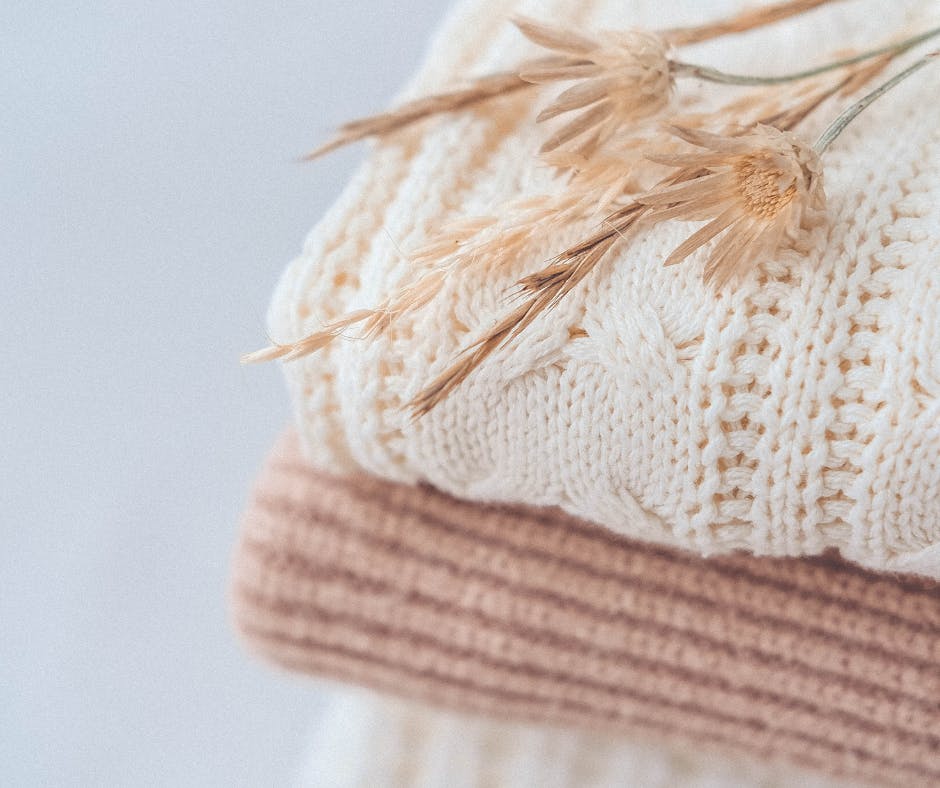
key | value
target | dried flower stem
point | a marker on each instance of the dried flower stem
(309, 344)
(839, 124)
(753, 185)
(544, 289)
(791, 117)
(547, 288)
(680, 69)
(740, 23)
(374, 321)
(623, 77)
(492, 86)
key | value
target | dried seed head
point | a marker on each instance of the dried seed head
(620, 77)
(765, 191)
(754, 189)
(639, 61)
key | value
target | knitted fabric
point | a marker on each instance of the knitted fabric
(367, 741)
(532, 615)
(799, 411)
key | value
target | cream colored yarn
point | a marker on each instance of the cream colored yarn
(798, 412)
(368, 741)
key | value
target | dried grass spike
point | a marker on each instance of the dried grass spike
(309, 344)
(748, 19)
(481, 90)
(540, 292)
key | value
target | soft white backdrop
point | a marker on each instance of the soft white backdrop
(149, 197)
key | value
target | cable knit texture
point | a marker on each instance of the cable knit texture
(530, 614)
(798, 412)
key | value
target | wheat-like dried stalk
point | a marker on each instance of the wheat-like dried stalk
(594, 184)
(531, 72)
(546, 288)
(406, 299)
(753, 183)
(749, 19)
(478, 91)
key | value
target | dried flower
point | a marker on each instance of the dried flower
(482, 242)
(479, 90)
(624, 77)
(620, 77)
(755, 189)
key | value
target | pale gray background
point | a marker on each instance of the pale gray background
(149, 198)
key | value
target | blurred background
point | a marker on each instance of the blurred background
(149, 198)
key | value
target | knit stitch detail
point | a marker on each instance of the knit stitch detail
(800, 412)
(529, 614)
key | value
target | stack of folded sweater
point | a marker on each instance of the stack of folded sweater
(671, 520)
(529, 614)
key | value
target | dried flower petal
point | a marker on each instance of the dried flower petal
(556, 38)
(482, 89)
(622, 77)
(754, 189)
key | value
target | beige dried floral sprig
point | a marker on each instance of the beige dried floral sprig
(621, 77)
(753, 184)
(755, 188)
(543, 289)
(593, 186)
(595, 182)
(478, 91)
(491, 86)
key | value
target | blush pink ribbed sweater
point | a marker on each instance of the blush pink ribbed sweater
(530, 614)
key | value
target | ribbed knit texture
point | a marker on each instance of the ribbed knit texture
(368, 741)
(532, 615)
(786, 417)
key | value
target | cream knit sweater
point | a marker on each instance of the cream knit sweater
(797, 412)
(366, 741)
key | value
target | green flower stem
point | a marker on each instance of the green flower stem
(680, 69)
(839, 124)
